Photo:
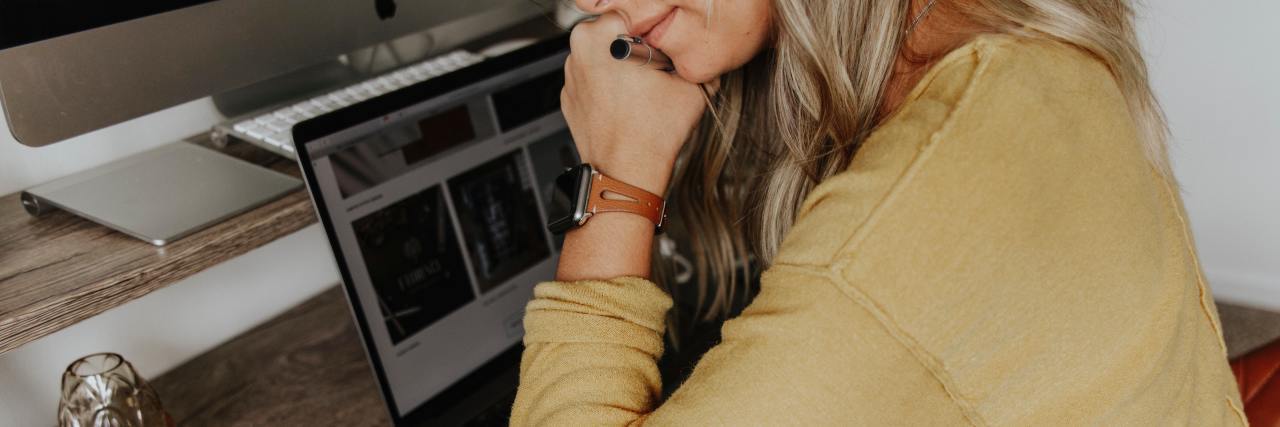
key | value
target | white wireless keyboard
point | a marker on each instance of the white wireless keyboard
(273, 130)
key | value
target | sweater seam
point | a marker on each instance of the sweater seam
(1201, 286)
(1240, 415)
(923, 357)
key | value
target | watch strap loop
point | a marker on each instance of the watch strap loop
(641, 202)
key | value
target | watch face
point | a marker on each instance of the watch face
(568, 204)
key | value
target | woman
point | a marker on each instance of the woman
(964, 207)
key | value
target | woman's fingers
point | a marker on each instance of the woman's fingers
(591, 39)
(627, 120)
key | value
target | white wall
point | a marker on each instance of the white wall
(1213, 65)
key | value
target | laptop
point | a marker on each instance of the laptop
(434, 198)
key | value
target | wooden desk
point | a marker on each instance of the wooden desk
(59, 269)
(305, 367)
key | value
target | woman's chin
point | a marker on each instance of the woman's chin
(695, 75)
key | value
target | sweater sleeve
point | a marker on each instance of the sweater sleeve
(800, 354)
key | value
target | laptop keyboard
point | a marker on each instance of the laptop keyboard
(273, 130)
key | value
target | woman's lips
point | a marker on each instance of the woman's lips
(654, 36)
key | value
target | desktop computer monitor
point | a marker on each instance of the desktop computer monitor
(68, 67)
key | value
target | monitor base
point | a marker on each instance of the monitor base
(163, 194)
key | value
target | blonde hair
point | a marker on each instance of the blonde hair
(796, 114)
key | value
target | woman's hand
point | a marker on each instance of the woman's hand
(628, 121)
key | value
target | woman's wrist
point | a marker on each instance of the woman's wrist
(648, 175)
(615, 244)
(609, 245)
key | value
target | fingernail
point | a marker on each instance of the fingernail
(603, 3)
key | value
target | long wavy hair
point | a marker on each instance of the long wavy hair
(796, 115)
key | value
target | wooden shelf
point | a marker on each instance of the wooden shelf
(59, 269)
(304, 367)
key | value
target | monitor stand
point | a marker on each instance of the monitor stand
(163, 194)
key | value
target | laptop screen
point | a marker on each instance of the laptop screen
(436, 213)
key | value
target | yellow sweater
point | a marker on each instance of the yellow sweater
(998, 253)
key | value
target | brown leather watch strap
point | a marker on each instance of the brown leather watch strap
(641, 202)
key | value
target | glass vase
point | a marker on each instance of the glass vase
(103, 390)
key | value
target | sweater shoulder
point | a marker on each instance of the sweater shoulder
(998, 98)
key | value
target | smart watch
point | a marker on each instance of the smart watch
(580, 193)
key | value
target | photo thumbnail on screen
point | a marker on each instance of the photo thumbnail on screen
(415, 262)
(499, 216)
